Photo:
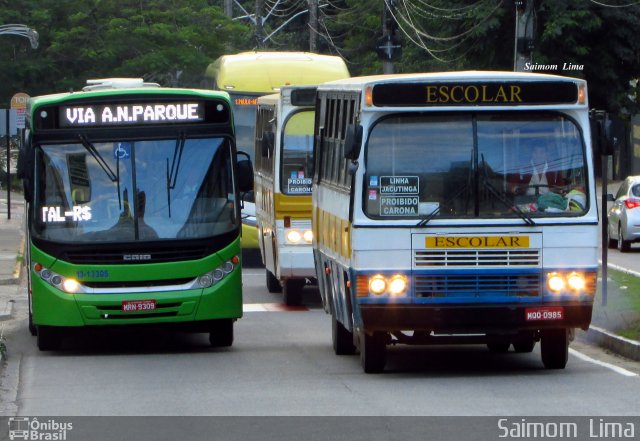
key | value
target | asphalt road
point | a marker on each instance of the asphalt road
(282, 363)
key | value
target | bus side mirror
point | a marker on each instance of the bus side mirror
(268, 142)
(606, 133)
(352, 141)
(245, 175)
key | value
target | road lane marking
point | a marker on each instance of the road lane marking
(271, 307)
(613, 367)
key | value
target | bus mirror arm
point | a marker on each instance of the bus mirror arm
(245, 173)
(352, 141)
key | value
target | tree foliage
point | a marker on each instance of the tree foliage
(167, 42)
(172, 42)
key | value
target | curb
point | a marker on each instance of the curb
(17, 271)
(620, 345)
(8, 311)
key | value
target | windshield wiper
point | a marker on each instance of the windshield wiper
(99, 159)
(502, 198)
(435, 212)
(172, 174)
(114, 177)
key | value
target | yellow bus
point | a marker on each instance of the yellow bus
(283, 169)
(248, 75)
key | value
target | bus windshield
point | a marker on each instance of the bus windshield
(134, 190)
(297, 153)
(244, 118)
(482, 165)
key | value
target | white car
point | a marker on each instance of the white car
(624, 216)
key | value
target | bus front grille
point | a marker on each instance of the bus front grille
(120, 257)
(478, 285)
(477, 258)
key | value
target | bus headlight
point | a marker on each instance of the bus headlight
(397, 285)
(555, 282)
(308, 236)
(209, 279)
(294, 236)
(377, 284)
(65, 284)
(70, 286)
(576, 282)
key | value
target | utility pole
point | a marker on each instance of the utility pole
(259, 23)
(228, 8)
(524, 35)
(388, 47)
(313, 25)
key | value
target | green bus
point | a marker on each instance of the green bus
(133, 213)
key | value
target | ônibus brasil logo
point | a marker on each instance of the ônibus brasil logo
(32, 429)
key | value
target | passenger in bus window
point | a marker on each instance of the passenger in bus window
(538, 176)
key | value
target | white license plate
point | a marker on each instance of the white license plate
(544, 313)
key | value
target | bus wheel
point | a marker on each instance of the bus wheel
(273, 284)
(32, 328)
(49, 338)
(554, 347)
(221, 333)
(342, 339)
(373, 352)
(292, 292)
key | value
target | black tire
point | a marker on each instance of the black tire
(623, 245)
(273, 284)
(524, 345)
(221, 333)
(49, 338)
(33, 330)
(341, 338)
(373, 352)
(292, 292)
(554, 347)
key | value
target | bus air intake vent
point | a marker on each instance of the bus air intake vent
(477, 258)
(137, 257)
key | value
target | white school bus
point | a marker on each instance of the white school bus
(283, 167)
(455, 207)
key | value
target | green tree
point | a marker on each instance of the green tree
(167, 42)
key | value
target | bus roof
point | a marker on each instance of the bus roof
(471, 88)
(265, 72)
(472, 75)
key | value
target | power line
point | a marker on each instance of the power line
(615, 6)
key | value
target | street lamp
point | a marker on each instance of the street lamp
(21, 31)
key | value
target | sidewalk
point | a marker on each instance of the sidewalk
(606, 320)
(11, 238)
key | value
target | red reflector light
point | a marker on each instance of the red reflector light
(632, 203)
(37, 267)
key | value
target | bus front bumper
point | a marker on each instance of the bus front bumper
(297, 262)
(474, 318)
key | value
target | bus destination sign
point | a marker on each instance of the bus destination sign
(510, 93)
(98, 115)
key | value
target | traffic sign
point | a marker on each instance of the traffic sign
(19, 103)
